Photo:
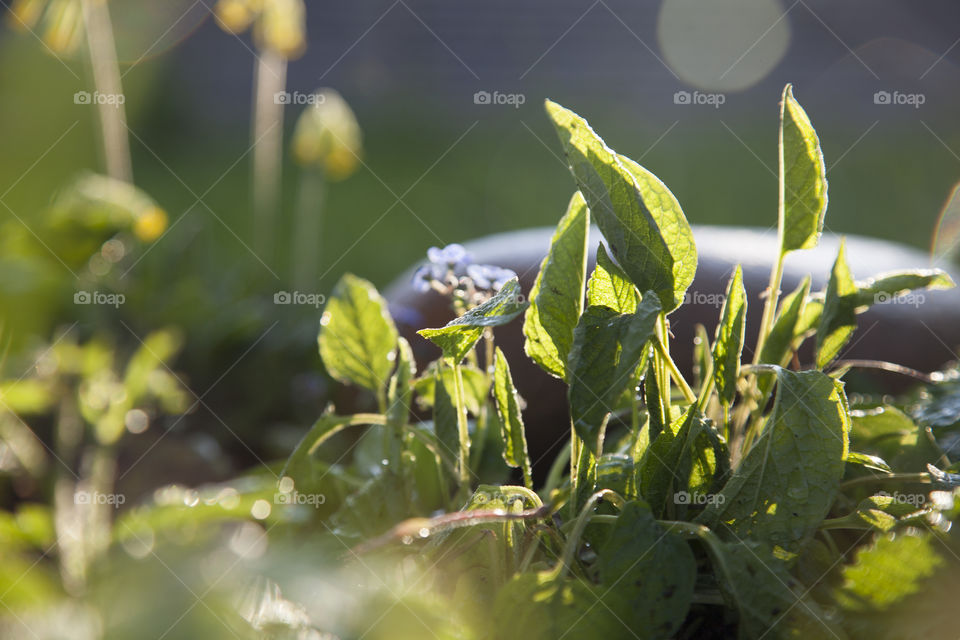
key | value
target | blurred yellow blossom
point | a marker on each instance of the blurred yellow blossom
(328, 136)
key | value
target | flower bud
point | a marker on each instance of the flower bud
(235, 16)
(282, 27)
(328, 136)
(98, 203)
(63, 26)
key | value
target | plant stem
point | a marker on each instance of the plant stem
(920, 478)
(581, 523)
(464, 466)
(575, 446)
(106, 79)
(662, 347)
(770, 305)
(673, 372)
(269, 80)
(307, 228)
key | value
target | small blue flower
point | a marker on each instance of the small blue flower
(453, 256)
(422, 278)
(426, 275)
(488, 276)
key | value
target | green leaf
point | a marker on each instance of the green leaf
(868, 461)
(299, 465)
(610, 287)
(400, 391)
(839, 318)
(786, 484)
(476, 385)
(445, 418)
(888, 571)
(606, 349)
(556, 299)
(357, 336)
(770, 601)
(777, 347)
(459, 336)
(803, 178)
(641, 220)
(542, 606)
(728, 344)
(681, 462)
(647, 575)
(889, 286)
(511, 422)
(654, 402)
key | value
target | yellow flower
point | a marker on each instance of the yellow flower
(150, 224)
(60, 22)
(278, 25)
(328, 136)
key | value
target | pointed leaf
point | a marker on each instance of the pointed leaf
(728, 344)
(511, 422)
(681, 462)
(445, 419)
(777, 346)
(607, 347)
(839, 318)
(610, 287)
(889, 286)
(640, 218)
(556, 299)
(803, 178)
(459, 336)
(786, 484)
(357, 336)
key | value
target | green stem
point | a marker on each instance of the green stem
(107, 82)
(662, 347)
(573, 540)
(307, 228)
(672, 371)
(920, 478)
(575, 446)
(770, 306)
(270, 79)
(464, 466)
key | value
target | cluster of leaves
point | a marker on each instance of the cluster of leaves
(756, 501)
(747, 503)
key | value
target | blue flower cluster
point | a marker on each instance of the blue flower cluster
(452, 268)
